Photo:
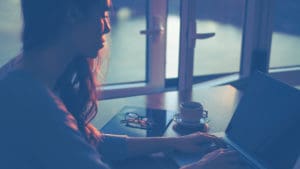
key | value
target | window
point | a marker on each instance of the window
(10, 30)
(138, 48)
(220, 53)
(127, 47)
(146, 47)
(218, 28)
(286, 34)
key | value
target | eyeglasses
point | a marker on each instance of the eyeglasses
(134, 120)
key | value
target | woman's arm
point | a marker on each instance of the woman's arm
(190, 144)
(116, 147)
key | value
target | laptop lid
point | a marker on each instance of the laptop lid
(266, 122)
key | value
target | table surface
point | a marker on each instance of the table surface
(220, 102)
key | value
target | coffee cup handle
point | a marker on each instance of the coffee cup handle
(205, 113)
(177, 117)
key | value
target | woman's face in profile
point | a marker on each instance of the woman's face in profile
(89, 33)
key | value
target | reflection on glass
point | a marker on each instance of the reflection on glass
(10, 30)
(128, 47)
(221, 53)
(286, 34)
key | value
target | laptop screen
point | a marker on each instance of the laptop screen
(266, 123)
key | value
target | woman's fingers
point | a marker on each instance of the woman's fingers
(225, 158)
(221, 158)
(214, 140)
(198, 142)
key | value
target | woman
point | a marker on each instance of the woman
(49, 97)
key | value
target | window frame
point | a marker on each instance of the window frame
(187, 45)
(257, 35)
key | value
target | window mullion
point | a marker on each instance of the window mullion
(187, 44)
(257, 34)
(156, 43)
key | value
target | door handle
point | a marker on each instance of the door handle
(204, 35)
(197, 36)
(156, 27)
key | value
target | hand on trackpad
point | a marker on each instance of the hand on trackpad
(221, 158)
(198, 143)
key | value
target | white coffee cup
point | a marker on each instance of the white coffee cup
(192, 112)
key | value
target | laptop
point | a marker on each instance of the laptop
(265, 127)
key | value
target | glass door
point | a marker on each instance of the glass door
(221, 52)
(137, 49)
(211, 39)
(127, 48)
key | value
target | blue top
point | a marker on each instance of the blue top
(38, 132)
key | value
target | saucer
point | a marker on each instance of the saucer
(190, 125)
(185, 124)
(177, 118)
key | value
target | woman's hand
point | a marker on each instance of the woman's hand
(197, 142)
(221, 158)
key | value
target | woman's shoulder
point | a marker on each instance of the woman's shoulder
(20, 84)
(20, 90)
(33, 106)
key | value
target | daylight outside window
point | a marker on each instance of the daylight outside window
(127, 47)
(10, 30)
(286, 34)
(222, 52)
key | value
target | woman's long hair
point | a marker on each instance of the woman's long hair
(77, 89)
(43, 20)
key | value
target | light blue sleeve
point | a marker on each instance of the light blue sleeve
(49, 137)
(60, 144)
(113, 147)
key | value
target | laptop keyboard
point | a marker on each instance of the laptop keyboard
(222, 144)
(185, 158)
